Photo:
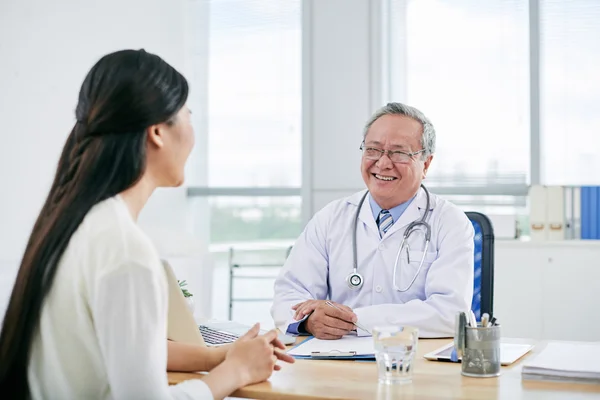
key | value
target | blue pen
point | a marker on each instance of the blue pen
(453, 355)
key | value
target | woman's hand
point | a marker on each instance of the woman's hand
(277, 344)
(250, 359)
(255, 356)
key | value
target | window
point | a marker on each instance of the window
(254, 93)
(245, 172)
(246, 63)
(464, 63)
(570, 91)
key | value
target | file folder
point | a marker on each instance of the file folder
(590, 212)
(347, 348)
(538, 213)
(555, 209)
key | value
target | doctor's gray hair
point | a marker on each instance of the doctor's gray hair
(428, 135)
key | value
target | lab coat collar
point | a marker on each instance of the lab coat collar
(412, 213)
(366, 213)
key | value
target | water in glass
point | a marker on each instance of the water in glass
(395, 349)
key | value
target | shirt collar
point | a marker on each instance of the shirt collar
(395, 211)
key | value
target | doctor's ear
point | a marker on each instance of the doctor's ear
(426, 165)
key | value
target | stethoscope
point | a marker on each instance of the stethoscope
(355, 280)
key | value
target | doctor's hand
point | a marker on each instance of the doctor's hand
(308, 306)
(326, 322)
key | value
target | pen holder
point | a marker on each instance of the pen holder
(481, 354)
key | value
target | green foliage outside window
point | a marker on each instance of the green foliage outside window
(267, 222)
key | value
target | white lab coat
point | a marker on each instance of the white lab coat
(321, 259)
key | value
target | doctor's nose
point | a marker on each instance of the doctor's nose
(384, 162)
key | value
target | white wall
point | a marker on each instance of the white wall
(46, 48)
(338, 78)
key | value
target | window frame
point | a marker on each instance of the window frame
(379, 92)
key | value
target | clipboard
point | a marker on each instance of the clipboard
(347, 348)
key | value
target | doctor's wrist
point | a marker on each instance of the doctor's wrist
(302, 328)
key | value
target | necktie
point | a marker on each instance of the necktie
(384, 222)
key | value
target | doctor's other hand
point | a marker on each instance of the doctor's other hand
(326, 322)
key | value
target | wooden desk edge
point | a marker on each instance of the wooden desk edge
(512, 377)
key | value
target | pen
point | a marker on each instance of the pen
(453, 355)
(484, 320)
(472, 320)
(330, 304)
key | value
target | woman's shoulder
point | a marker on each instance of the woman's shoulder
(110, 233)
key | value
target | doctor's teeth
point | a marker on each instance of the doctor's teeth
(385, 178)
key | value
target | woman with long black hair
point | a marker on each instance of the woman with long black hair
(87, 315)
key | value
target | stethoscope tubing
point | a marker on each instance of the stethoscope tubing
(355, 276)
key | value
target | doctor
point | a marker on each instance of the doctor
(349, 252)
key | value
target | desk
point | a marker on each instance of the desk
(320, 379)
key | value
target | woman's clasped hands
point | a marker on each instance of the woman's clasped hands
(255, 356)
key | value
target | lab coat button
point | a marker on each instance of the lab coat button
(378, 289)
(381, 246)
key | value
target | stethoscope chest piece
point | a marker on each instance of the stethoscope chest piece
(354, 280)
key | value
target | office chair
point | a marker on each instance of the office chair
(483, 283)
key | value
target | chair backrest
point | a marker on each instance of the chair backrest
(483, 283)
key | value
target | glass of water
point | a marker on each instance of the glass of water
(395, 351)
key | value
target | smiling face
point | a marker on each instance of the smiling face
(391, 183)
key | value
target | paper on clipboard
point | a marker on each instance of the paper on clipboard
(347, 347)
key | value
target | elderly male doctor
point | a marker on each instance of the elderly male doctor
(427, 285)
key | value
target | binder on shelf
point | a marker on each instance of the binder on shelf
(590, 212)
(549, 217)
(572, 212)
(555, 212)
(537, 213)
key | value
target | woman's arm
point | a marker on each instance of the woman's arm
(186, 357)
(129, 307)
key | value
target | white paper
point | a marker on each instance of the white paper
(361, 345)
(561, 359)
(511, 352)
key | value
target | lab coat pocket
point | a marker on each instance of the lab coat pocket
(408, 267)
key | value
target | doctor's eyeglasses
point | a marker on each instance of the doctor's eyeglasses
(396, 156)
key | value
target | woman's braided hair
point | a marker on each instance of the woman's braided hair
(73, 159)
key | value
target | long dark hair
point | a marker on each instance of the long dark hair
(123, 94)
